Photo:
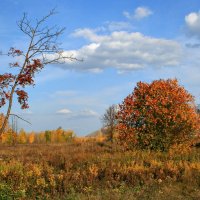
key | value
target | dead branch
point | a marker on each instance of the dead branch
(20, 118)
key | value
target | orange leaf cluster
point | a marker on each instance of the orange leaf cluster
(14, 52)
(22, 98)
(26, 78)
(5, 82)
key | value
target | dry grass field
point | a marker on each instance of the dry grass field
(97, 170)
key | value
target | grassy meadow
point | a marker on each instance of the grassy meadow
(91, 169)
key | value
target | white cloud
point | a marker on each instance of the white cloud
(122, 50)
(64, 111)
(87, 113)
(118, 26)
(88, 34)
(139, 13)
(78, 114)
(192, 21)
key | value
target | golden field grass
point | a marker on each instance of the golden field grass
(86, 169)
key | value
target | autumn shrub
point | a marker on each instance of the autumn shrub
(157, 115)
(62, 171)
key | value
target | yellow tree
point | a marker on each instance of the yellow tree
(60, 135)
(8, 137)
(69, 135)
(22, 137)
(31, 138)
(41, 137)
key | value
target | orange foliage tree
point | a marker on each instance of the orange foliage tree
(157, 115)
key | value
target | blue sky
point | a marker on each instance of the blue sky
(122, 42)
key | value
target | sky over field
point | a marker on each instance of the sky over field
(121, 42)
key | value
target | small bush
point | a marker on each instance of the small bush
(157, 115)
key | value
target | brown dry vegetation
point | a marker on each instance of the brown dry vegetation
(97, 170)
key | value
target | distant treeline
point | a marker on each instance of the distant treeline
(49, 136)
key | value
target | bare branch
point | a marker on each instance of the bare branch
(20, 118)
(61, 59)
(24, 25)
(47, 37)
(51, 12)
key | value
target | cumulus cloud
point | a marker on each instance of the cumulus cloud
(89, 34)
(85, 113)
(192, 21)
(139, 13)
(122, 50)
(64, 111)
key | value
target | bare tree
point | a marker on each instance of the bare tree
(109, 121)
(43, 48)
